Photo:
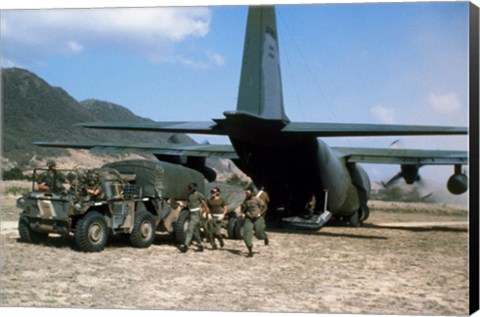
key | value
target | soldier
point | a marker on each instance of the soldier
(206, 225)
(195, 201)
(218, 210)
(310, 206)
(263, 195)
(253, 208)
(92, 188)
(52, 179)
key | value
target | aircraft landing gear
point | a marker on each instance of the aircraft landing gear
(354, 219)
(358, 217)
(364, 213)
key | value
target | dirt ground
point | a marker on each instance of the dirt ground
(406, 260)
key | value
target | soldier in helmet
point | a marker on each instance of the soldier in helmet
(92, 188)
(253, 208)
(52, 179)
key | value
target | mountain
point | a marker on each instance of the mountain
(35, 111)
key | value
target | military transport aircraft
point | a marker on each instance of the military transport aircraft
(284, 157)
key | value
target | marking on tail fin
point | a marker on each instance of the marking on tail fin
(260, 90)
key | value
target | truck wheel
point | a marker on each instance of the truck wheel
(28, 235)
(91, 232)
(143, 232)
(181, 226)
(239, 228)
(231, 227)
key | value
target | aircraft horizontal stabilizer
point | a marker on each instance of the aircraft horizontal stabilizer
(197, 127)
(402, 156)
(320, 129)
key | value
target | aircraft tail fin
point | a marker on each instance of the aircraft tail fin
(260, 90)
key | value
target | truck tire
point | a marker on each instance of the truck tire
(143, 232)
(181, 225)
(28, 235)
(91, 232)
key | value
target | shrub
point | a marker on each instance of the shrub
(14, 174)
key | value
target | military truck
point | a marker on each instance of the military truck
(139, 197)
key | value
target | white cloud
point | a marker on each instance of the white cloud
(446, 104)
(192, 63)
(150, 32)
(383, 114)
(216, 59)
(212, 59)
(73, 47)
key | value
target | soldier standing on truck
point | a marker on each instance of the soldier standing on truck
(196, 201)
(254, 209)
(218, 210)
(52, 179)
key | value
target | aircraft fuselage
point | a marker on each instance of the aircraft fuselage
(292, 167)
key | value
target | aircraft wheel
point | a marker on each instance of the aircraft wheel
(231, 227)
(91, 232)
(143, 232)
(28, 235)
(354, 219)
(181, 226)
(364, 213)
(239, 228)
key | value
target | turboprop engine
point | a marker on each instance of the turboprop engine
(457, 183)
(409, 173)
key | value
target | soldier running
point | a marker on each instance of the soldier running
(196, 201)
(218, 210)
(254, 209)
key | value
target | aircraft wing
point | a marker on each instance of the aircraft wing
(402, 156)
(199, 150)
(317, 129)
(320, 129)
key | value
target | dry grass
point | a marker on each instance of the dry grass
(376, 269)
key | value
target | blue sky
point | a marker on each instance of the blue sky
(399, 63)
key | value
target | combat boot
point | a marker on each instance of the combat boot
(250, 252)
(266, 241)
(200, 248)
(221, 242)
(183, 248)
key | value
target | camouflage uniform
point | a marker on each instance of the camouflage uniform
(254, 223)
(92, 187)
(52, 178)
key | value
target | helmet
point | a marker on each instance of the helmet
(51, 163)
(92, 176)
(193, 186)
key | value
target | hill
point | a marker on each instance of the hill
(33, 110)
